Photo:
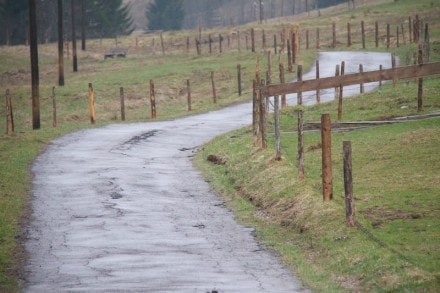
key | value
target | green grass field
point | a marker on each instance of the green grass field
(396, 167)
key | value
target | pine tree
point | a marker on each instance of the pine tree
(165, 15)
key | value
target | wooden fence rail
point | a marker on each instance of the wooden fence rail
(406, 72)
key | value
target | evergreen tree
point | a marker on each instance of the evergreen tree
(165, 15)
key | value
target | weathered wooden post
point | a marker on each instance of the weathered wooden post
(388, 36)
(334, 35)
(199, 50)
(307, 39)
(239, 79)
(427, 43)
(300, 145)
(60, 44)
(9, 114)
(74, 55)
(318, 93)
(410, 24)
(253, 40)
(152, 100)
(348, 185)
(269, 62)
(416, 29)
(289, 57)
(54, 108)
(348, 34)
(341, 93)
(92, 104)
(363, 34)
(220, 43)
(210, 43)
(264, 40)
(397, 36)
(380, 81)
(361, 85)
(122, 99)
(337, 87)
(276, 112)
(255, 112)
(420, 82)
(162, 44)
(263, 116)
(317, 38)
(275, 45)
(214, 94)
(376, 33)
(403, 33)
(299, 100)
(35, 73)
(293, 48)
(326, 142)
(393, 65)
(188, 90)
(282, 80)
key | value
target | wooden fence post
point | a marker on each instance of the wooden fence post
(269, 62)
(293, 48)
(388, 36)
(255, 112)
(337, 88)
(187, 44)
(397, 36)
(416, 29)
(341, 93)
(299, 100)
(220, 43)
(253, 40)
(348, 34)
(188, 90)
(238, 41)
(300, 146)
(318, 92)
(326, 142)
(122, 99)
(420, 82)
(393, 65)
(348, 185)
(92, 104)
(9, 114)
(410, 24)
(162, 44)
(54, 108)
(214, 94)
(282, 80)
(363, 34)
(264, 40)
(152, 100)
(275, 45)
(380, 81)
(427, 43)
(276, 111)
(376, 33)
(361, 85)
(239, 79)
(307, 39)
(198, 49)
(403, 33)
(210, 43)
(317, 38)
(334, 35)
(263, 116)
(289, 57)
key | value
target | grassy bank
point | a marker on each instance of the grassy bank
(170, 73)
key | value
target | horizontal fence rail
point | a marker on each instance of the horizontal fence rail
(406, 72)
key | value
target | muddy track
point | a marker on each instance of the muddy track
(121, 208)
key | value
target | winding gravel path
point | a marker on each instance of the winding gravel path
(122, 209)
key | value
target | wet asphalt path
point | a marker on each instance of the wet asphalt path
(122, 209)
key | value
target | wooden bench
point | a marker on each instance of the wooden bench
(116, 52)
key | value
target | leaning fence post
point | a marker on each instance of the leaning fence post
(152, 100)
(9, 114)
(92, 104)
(348, 185)
(54, 108)
(326, 142)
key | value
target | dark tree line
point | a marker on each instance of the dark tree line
(102, 19)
